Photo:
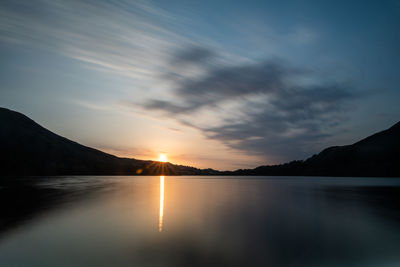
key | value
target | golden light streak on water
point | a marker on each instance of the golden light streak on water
(160, 219)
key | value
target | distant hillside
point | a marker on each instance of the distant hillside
(26, 148)
(377, 155)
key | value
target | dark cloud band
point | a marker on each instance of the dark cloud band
(290, 117)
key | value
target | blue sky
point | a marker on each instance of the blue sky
(222, 84)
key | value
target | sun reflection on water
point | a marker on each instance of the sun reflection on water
(160, 219)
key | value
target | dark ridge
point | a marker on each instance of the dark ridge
(375, 156)
(29, 149)
(26, 148)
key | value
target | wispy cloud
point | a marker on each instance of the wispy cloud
(125, 37)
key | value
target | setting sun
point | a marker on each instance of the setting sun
(163, 158)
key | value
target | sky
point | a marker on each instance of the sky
(220, 84)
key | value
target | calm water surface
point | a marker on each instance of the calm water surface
(199, 221)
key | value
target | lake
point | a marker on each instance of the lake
(199, 221)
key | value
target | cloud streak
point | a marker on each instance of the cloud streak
(122, 37)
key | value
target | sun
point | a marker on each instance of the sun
(162, 158)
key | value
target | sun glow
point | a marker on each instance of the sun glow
(162, 158)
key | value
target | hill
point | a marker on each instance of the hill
(26, 148)
(377, 155)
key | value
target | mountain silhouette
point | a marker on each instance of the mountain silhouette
(29, 149)
(377, 155)
(26, 148)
